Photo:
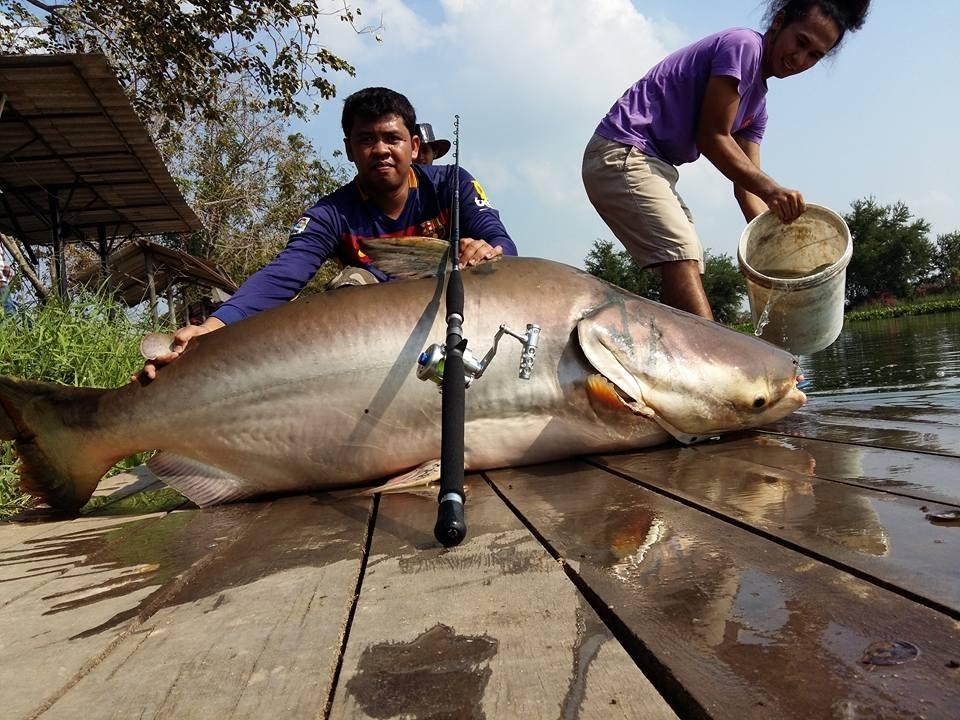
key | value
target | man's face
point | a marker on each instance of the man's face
(800, 45)
(382, 150)
(427, 154)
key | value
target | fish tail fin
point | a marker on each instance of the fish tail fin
(54, 431)
(407, 257)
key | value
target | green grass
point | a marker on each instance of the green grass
(90, 342)
(925, 307)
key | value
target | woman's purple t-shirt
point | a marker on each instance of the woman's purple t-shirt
(660, 112)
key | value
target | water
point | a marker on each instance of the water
(891, 383)
(903, 354)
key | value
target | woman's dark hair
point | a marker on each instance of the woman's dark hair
(847, 14)
(375, 102)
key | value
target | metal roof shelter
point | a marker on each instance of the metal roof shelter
(76, 162)
(144, 269)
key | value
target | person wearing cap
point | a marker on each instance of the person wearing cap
(430, 148)
(391, 196)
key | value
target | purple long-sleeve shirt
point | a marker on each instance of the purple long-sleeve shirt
(336, 224)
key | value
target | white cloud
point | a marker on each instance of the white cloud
(530, 81)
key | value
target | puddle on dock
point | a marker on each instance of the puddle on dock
(438, 670)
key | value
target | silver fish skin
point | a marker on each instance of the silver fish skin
(322, 393)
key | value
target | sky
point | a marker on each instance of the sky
(531, 80)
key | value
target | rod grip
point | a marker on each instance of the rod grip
(450, 529)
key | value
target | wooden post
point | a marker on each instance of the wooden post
(151, 284)
(39, 288)
(59, 262)
(102, 251)
(171, 312)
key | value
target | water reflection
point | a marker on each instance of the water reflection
(894, 383)
(907, 352)
(701, 594)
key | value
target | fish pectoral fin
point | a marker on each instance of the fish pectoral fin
(605, 398)
(420, 477)
(202, 484)
(604, 352)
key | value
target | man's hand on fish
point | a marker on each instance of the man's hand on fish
(180, 339)
(474, 252)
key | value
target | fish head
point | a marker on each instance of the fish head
(694, 377)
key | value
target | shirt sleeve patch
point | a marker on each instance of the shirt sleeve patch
(481, 199)
(300, 225)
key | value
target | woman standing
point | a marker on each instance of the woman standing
(708, 98)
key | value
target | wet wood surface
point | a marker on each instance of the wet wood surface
(868, 532)
(253, 634)
(745, 627)
(792, 573)
(492, 628)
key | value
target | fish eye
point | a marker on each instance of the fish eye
(759, 402)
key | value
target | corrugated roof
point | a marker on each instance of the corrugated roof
(68, 129)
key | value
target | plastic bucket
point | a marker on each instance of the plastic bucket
(796, 277)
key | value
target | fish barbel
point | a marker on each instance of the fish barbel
(322, 393)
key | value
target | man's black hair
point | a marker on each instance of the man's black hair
(374, 102)
(847, 14)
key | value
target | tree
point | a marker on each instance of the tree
(174, 57)
(947, 258)
(722, 280)
(249, 178)
(725, 287)
(892, 253)
(617, 267)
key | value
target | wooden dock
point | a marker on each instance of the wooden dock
(797, 572)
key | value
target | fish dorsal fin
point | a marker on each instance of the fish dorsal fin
(202, 484)
(407, 257)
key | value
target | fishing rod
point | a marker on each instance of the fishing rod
(454, 368)
(451, 527)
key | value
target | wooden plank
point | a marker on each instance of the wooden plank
(22, 527)
(492, 628)
(744, 627)
(113, 579)
(908, 420)
(41, 552)
(37, 546)
(912, 474)
(883, 536)
(256, 634)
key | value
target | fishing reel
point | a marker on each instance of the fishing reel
(431, 361)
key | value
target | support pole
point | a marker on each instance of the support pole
(171, 312)
(56, 239)
(102, 250)
(151, 284)
(39, 288)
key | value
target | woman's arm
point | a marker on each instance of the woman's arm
(750, 204)
(716, 142)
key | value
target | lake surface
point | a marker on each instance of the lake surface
(892, 382)
(897, 354)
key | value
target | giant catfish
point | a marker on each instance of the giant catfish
(322, 392)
